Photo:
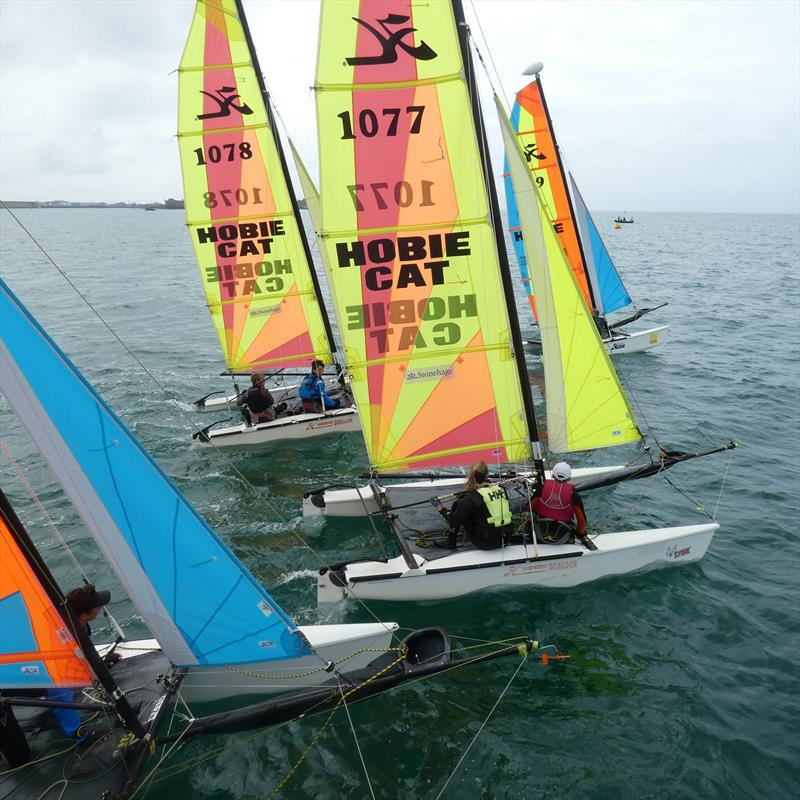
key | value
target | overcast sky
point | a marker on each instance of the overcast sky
(659, 105)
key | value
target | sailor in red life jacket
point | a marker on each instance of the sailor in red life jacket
(559, 502)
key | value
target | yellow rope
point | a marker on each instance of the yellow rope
(327, 722)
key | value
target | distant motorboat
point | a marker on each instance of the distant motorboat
(623, 220)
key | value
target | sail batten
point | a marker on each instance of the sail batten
(198, 600)
(243, 220)
(410, 249)
(586, 406)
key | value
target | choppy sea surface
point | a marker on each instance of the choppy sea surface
(682, 683)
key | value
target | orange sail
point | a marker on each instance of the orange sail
(36, 647)
(535, 132)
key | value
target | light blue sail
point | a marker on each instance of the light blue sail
(199, 601)
(609, 291)
(514, 229)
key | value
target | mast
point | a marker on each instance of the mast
(48, 582)
(591, 288)
(494, 210)
(284, 167)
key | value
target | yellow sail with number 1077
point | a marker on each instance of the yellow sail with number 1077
(411, 251)
(586, 406)
(242, 216)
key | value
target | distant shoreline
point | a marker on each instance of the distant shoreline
(168, 204)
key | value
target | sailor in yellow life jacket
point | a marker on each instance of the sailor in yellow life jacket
(483, 510)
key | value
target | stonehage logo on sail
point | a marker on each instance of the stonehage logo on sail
(429, 374)
(407, 262)
(390, 40)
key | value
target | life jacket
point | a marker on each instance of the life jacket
(258, 401)
(308, 388)
(496, 501)
(555, 501)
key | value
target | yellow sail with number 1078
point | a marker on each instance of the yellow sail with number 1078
(411, 251)
(242, 216)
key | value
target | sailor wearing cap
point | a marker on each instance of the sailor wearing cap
(559, 502)
(86, 602)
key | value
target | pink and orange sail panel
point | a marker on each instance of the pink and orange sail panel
(36, 648)
(247, 238)
(411, 251)
(537, 140)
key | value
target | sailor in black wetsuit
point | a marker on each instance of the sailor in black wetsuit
(483, 510)
(259, 400)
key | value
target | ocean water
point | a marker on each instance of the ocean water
(682, 683)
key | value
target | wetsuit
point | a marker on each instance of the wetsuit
(485, 514)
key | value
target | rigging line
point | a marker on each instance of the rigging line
(54, 528)
(133, 355)
(148, 778)
(480, 729)
(229, 461)
(358, 745)
(697, 504)
(489, 52)
(721, 488)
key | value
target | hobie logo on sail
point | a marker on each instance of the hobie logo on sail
(225, 98)
(390, 40)
(530, 152)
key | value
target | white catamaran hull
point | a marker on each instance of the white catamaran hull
(220, 402)
(299, 426)
(354, 645)
(361, 501)
(622, 343)
(550, 566)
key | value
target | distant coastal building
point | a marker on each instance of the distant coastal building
(169, 203)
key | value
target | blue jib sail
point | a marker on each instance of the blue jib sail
(198, 600)
(514, 228)
(610, 293)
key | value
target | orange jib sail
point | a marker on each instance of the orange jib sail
(535, 132)
(36, 648)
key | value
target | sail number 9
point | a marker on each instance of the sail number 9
(214, 154)
(369, 124)
(402, 193)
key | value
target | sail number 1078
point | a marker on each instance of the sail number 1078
(369, 124)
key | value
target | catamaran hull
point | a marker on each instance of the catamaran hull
(348, 647)
(623, 343)
(410, 500)
(220, 402)
(546, 566)
(299, 426)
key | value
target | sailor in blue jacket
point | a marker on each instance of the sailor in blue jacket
(312, 390)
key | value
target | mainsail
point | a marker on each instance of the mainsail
(411, 250)
(202, 605)
(243, 218)
(37, 649)
(586, 406)
(533, 127)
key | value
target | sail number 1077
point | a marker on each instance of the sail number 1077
(368, 123)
